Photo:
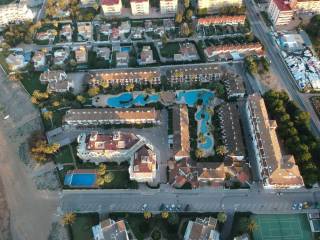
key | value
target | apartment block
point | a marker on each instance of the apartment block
(168, 6)
(125, 76)
(120, 147)
(181, 137)
(111, 7)
(15, 12)
(140, 7)
(212, 5)
(193, 74)
(102, 116)
(276, 170)
(308, 6)
(280, 11)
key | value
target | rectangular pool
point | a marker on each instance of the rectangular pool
(76, 179)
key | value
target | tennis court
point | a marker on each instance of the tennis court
(282, 227)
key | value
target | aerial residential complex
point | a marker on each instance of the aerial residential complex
(276, 169)
(281, 11)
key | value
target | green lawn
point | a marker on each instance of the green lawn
(31, 82)
(81, 228)
(2, 2)
(169, 50)
(56, 120)
(239, 225)
(63, 156)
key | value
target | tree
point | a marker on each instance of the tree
(189, 14)
(165, 214)
(221, 150)
(164, 39)
(199, 153)
(81, 99)
(68, 218)
(222, 217)
(252, 226)
(173, 218)
(102, 169)
(147, 215)
(55, 103)
(93, 91)
(130, 87)
(186, 3)
(179, 17)
(185, 31)
(201, 138)
(48, 115)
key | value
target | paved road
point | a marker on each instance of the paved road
(201, 200)
(277, 64)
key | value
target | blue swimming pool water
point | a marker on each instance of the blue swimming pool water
(126, 100)
(125, 49)
(208, 144)
(191, 97)
(80, 179)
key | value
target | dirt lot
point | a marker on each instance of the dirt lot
(31, 211)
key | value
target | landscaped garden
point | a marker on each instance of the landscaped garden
(167, 224)
(81, 228)
(168, 50)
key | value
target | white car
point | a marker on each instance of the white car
(6, 117)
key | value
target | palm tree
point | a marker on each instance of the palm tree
(109, 178)
(130, 87)
(102, 169)
(100, 181)
(252, 226)
(222, 217)
(165, 214)
(199, 153)
(147, 215)
(48, 116)
(221, 150)
(201, 138)
(68, 218)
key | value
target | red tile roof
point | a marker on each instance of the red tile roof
(282, 5)
(221, 20)
(109, 2)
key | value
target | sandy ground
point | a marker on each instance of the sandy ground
(31, 211)
(270, 81)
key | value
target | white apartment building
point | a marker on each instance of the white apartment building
(280, 11)
(15, 12)
(212, 5)
(139, 7)
(276, 170)
(120, 147)
(111, 7)
(168, 6)
(308, 6)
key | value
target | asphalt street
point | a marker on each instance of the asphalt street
(201, 200)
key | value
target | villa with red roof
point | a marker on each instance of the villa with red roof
(111, 7)
(120, 147)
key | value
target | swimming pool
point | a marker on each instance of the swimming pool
(126, 100)
(80, 179)
(191, 97)
(125, 49)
